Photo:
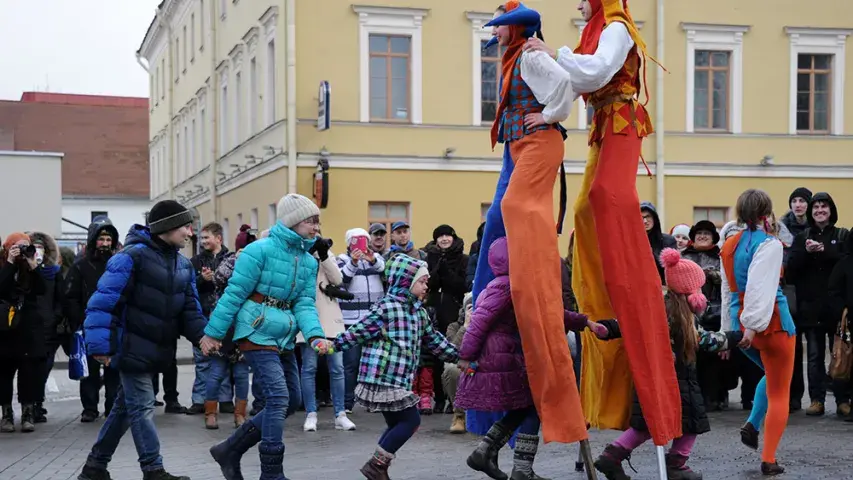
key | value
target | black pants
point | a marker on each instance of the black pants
(710, 369)
(170, 383)
(798, 384)
(29, 370)
(90, 387)
(750, 375)
(819, 380)
(47, 366)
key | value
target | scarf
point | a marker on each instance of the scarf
(49, 272)
(508, 61)
(408, 248)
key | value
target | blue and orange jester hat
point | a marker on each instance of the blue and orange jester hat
(517, 14)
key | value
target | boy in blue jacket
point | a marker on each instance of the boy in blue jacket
(145, 300)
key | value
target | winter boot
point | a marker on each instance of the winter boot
(226, 407)
(7, 423)
(526, 447)
(161, 474)
(239, 413)
(749, 436)
(485, 457)
(195, 409)
(610, 462)
(677, 469)
(771, 469)
(93, 473)
(228, 453)
(816, 409)
(458, 424)
(425, 405)
(210, 421)
(377, 467)
(39, 413)
(27, 420)
(272, 460)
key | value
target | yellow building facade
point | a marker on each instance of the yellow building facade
(754, 96)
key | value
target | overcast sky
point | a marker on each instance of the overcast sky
(73, 46)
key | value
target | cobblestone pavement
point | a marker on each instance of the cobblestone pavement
(811, 449)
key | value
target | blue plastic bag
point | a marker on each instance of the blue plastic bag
(78, 366)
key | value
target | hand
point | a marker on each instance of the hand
(463, 365)
(323, 346)
(207, 274)
(371, 258)
(535, 45)
(14, 253)
(31, 262)
(726, 355)
(532, 120)
(102, 359)
(598, 329)
(209, 345)
(748, 336)
(357, 255)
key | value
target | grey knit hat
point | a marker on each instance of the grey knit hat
(294, 208)
(168, 215)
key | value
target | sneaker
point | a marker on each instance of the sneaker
(175, 407)
(92, 473)
(310, 424)
(158, 403)
(88, 416)
(816, 409)
(161, 475)
(344, 423)
(348, 411)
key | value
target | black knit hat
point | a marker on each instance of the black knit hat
(442, 230)
(801, 192)
(168, 215)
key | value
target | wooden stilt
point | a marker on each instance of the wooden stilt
(579, 462)
(586, 454)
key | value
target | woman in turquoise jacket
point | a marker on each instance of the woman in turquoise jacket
(269, 299)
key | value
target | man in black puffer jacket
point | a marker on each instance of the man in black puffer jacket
(145, 301)
(81, 284)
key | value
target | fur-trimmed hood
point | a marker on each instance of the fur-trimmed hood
(51, 248)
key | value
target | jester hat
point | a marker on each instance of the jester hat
(517, 14)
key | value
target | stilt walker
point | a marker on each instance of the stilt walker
(535, 96)
(615, 273)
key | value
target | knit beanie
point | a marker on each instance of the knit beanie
(423, 271)
(294, 208)
(244, 237)
(167, 215)
(684, 277)
(443, 230)
(680, 229)
(801, 192)
(354, 233)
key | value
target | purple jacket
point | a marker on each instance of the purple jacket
(493, 341)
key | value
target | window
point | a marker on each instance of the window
(193, 137)
(814, 85)
(177, 59)
(192, 38)
(226, 231)
(223, 121)
(178, 151)
(162, 78)
(239, 220)
(222, 5)
(390, 63)
(185, 49)
(714, 77)
(151, 83)
(185, 162)
(717, 215)
(202, 114)
(254, 218)
(711, 90)
(484, 210)
(253, 96)
(201, 31)
(816, 102)
(238, 107)
(165, 165)
(387, 213)
(271, 217)
(490, 74)
(269, 88)
(98, 213)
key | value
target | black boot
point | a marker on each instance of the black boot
(175, 408)
(39, 413)
(526, 447)
(749, 436)
(272, 459)
(161, 474)
(28, 423)
(196, 409)
(485, 457)
(226, 407)
(677, 469)
(228, 453)
(610, 462)
(7, 423)
(92, 473)
(771, 469)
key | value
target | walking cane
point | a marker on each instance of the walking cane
(661, 462)
(585, 460)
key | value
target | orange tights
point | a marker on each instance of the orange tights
(777, 355)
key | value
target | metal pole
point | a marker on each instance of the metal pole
(661, 462)
(586, 454)
(579, 462)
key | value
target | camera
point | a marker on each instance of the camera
(28, 251)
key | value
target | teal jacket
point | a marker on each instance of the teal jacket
(280, 267)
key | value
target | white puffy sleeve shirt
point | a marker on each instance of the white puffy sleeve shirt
(550, 84)
(761, 287)
(592, 72)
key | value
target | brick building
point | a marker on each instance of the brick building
(104, 142)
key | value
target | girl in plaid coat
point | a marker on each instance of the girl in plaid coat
(391, 337)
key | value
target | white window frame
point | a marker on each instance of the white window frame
(819, 41)
(269, 21)
(478, 34)
(253, 217)
(251, 40)
(271, 214)
(391, 21)
(724, 38)
(236, 56)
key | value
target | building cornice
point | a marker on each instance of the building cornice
(20, 153)
(714, 27)
(818, 31)
(581, 23)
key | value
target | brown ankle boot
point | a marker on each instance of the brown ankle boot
(210, 421)
(377, 467)
(240, 412)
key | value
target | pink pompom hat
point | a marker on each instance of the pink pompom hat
(684, 277)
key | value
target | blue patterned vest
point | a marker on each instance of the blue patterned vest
(521, 102)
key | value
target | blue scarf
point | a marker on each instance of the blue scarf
(48, 273)
(409, 247)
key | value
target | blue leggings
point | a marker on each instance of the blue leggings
(759, 403)
(401, 426)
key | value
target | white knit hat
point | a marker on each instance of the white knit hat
(356, 232)
(294, 208)
(681, 229)
(422, 272)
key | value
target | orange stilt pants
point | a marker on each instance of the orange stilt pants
(534, 268)
(615, 277)
(777, 355)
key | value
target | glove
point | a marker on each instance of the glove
(322, 246)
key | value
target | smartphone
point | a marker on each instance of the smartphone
(359, 243)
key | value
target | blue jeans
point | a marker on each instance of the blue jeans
(352, 359)
(269, 374)
(291, 376)
(309, 376)
(220, 370)
(202, 368)
(134, 409)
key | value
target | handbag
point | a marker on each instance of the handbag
(78, 365)
(842, 352)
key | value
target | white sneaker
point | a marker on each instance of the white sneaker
(310, 424)
(343, 423)
(348, 411)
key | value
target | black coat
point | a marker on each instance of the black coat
(207, 289)
(28, 338)
(709, 260)
(82, 279)
(841, 283)
(447, 281)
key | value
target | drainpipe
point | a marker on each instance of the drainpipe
(660, 176)
(173, 148)
(145, 67)
(213, 94)
(142, 64)
(290, 14)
